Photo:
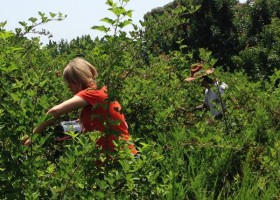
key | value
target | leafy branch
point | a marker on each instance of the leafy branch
(120, 13)
(33, 23)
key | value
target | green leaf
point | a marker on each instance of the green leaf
(33, 19)
(129, 13)
(51, 168)
(42, 83)
(45, 19)
(3, 24)
(52, 15)
(117, 11)
(15, 97)
(16, 49)
(61, 16)
(12, 67)
(5, 35)
(108, 20)
(125, 23)
(183, 47)
(110, 2)
(23, 23)
(41, 14)
(101, 28)
(31, 93)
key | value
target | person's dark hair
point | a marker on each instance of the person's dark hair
(208, 80)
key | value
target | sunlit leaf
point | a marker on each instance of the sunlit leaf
(108, 20)
(101, 28)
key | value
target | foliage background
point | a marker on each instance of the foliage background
(182, 155)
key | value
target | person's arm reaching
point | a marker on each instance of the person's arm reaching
(65, 107)
(39, 129)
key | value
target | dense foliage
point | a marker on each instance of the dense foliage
(233, 32)
(183, 154)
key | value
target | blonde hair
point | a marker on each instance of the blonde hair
(80, 72)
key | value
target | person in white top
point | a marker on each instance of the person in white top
(212, 99)
(213, 90)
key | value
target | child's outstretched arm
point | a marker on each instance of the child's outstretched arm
(65, 107)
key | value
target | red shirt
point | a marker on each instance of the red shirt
(94, 116)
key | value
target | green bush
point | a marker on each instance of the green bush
(181, 154)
